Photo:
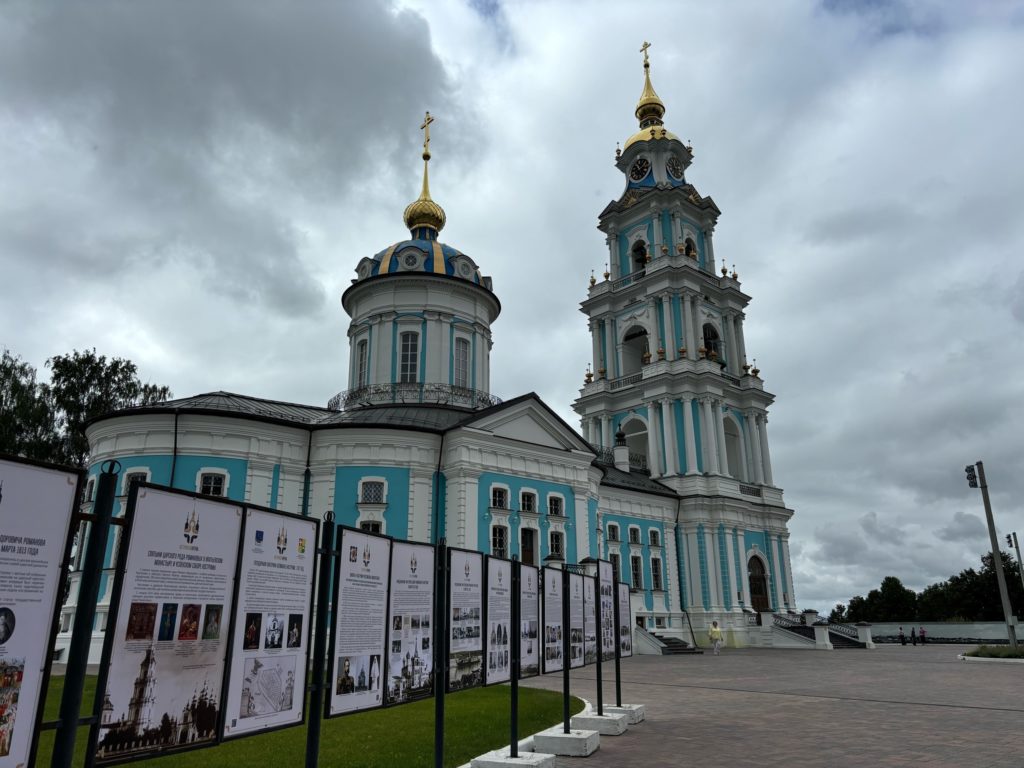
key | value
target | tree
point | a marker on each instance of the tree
(26, 421)
(838, 615)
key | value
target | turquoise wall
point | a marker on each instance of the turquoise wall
(516, 485)
(346, 494)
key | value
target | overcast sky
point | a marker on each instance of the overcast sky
(190, 185)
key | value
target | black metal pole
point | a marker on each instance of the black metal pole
(600, 650)
(440, 647)
(618, 646)
(565, 650)
(85, 613)
(516, 636)
(316, 684)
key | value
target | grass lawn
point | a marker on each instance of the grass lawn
(997, 652)
(476, 721)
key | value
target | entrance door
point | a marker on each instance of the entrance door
(527, 546)
(759, 599)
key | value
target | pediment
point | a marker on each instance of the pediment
(529, 420)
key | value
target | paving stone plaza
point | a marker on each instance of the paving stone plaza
(893, 706)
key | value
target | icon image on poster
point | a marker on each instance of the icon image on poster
(6, 624)
(168, 621)
(275, 632)
(211, 622)
(141, 621)
(253, 628)
(294, 630)
(188, 629)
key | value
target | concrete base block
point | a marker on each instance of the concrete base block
(606, 725)
(499, 758)
(573, 744)
(635, 713)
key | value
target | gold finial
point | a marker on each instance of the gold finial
(593, 280)
(607, 274)
(424, 212)
(643, 50)
(650, 109)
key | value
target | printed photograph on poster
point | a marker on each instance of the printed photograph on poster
(465, 638)
(166, 694)
(552, 620)
(36, 506)
(589, 620)
(625, 622)
(529, 621)
(499, 619)
(575, 620)
(606, 582)
(410, 668)
(361, 622)
(269, 655)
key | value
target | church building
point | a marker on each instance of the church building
(671, 478)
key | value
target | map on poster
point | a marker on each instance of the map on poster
(36, 506)
(589, 620)
(625, 622)
(270, 646)
(529, 621)
(360, 622)
(552, 619)
(410, 644)
(499, 619)
(575, 620)
(465, 629)
(166, 650)
(606, 587)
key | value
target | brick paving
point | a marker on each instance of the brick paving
(892, 706)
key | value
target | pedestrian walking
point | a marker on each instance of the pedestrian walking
(902, 637)
(715, 637)
(913, 637)
(922, 635)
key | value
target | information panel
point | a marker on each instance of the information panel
(168, 645)
(499, 619)
(360, 622)
(625, 633)
(552, 619)
(465, 628)
(410, 670)
(589, 620)
(575, 620)
(606, 587)
(270, 649)
(529, 621)
(36, 507)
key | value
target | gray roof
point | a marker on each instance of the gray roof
(633, 481)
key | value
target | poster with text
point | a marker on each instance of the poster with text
(552, 619)
(499, 620)
(272, 616)
(360, 622)
(36, 507)
(465, 619)
(575, 620)
(529, 621)
(410, 644)
(606, 588)
(589, 620)
(625, 622)
(167, 647)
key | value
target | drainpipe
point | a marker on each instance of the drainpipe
(306, 476)
(679, 572)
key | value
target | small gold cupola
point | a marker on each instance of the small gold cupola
(650, 109)
(423, 216)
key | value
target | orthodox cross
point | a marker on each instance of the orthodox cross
(426, 132)
(643, 50)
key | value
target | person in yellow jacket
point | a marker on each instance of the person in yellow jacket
(715, 637)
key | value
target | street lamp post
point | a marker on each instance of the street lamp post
(1011, 541)
(997, 559)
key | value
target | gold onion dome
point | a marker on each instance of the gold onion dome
(424, 212)
(649, 110)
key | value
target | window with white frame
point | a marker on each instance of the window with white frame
(555, 505)
(654, 537)
(659, 622)
(637, 571)
(80, 541)
(362, 362)
(461, 363)
(499, 498)
(499, 541)
(370, 526)
(410, 357)
(132, 477)
(634, 535)
(616, 562)
(90, 488)
(557, 543)
(371, 492)
(656, 573)
(528, 502)
(211, 484)
(613, 532)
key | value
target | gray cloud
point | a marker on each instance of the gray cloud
(963, 526)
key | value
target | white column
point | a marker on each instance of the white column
(677, 229)
(383, 330)
(714, 567)
(777, 562)
(739, 342)
(732, 353)
(613, 255)
(731, 565)
(652, 443)
(595, 343)
(708, 432)
(723, 454)
(709, 249)
(656, 226)
(666, 322)
(585, 429)
(689, 436)
(671, 444)
(609, 349)
(789, 570)
(691, 345)
(606, 438)
(766, 459)
(755, 446)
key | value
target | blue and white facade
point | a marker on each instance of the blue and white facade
(671, 478)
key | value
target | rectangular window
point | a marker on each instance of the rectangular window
(410, 357)
(528, 502)
(557, 544)
(211, 484)
(362, 360)
(616, 565)
(499, 498)
(655, 538)
(613, 532)
(634, 535)
(372, 492)
(462, 363)
(80, 543)
(637, 572)
(90, 488)
(133, 477)
(370, 526)
(656, 573)
(499, 541)
(554, 505)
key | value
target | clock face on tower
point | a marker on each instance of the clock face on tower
(640, 169)
(674, 168)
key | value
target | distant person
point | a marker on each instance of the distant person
(902, 637)
(913, 637)
(922, 635)
(715, 637)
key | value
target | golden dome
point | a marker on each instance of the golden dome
(424, 212)
(650, 109)
(650, 134)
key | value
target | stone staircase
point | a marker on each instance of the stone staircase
(838, 640)
(673, 646)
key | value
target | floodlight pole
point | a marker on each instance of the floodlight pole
(1020, 565)
(997, 558)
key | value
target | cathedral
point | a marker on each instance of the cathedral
(670, 477)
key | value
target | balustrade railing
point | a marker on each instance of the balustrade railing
(625, 381)
(401, 394)
(844, 629)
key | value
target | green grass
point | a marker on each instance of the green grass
(997, 652)
(476, 721)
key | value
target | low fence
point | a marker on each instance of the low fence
(967, 633)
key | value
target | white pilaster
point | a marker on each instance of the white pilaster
(789, 570)
(691, 343)
(693, 570)
(755, 444)
(671, 444)
(595, 342)
(710, 249)
(730, 564)
(777, 562)
(714, 567)
(709, 433)
(689, 436)
(766, 459)
(652, 445)
(668, 338)
(723, 454)
(606, 426)
(739, 341)
(732, 353)
(613, 255)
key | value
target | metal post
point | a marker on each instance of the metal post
(85, 614)
(316, 684)
(565, 650)
(997, 558)
(516, 629)
(600, 650)
(1020, 565)
(440, 647)
(618, 646)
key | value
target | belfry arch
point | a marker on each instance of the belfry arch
(757, 583)
(635, 429)
(635, 344)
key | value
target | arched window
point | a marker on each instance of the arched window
(362, 361)
(636, 440)
(635, 349)
(410, 357)
(690, 248)
(461, 363)
(758, 580)
(639, 256)
(734, 450)
(713, 344)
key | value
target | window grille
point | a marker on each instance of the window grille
(372, 492)
(211, 484)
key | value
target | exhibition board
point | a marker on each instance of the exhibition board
(465, 666)
(410, 643)
(589, 620)
(606, 589)
(625, 631)
(529, 621)
(552, 585)
(37, 504)
(498, 617)
(576, 582)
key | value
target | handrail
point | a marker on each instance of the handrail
(844, 629)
